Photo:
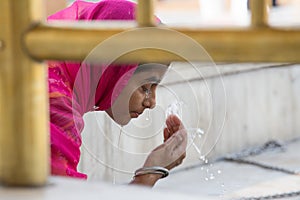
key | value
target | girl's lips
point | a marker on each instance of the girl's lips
(134, 114)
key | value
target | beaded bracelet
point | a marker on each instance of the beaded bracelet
(152, 170)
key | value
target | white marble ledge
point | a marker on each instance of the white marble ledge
(67, 188)
(183, 71)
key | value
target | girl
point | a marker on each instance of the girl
(122, 91)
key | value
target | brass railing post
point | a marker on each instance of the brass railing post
(145, 13)
(259, 13)
(225, 45)
(24, 142)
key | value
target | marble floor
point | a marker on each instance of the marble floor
(226, 179)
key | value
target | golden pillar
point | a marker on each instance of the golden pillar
(24, 142)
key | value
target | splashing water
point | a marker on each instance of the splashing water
(193, 133)
(175, 109)
(194, 136)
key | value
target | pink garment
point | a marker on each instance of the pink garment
(75, 88)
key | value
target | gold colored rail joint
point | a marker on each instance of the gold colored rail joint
(145, 13)
(259, 13)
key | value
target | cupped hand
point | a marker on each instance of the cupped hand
(173, 125)
(169, 154)
(172, 152)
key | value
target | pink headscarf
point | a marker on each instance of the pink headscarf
(76, 88)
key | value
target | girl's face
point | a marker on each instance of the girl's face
(138, 95)
(142, 98)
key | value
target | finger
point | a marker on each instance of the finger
(175, 128)
(169, 125)
(175, 120)
(166, 134)
(177, 144)
(174, 124)
(178, 137)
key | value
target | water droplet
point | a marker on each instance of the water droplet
(211, 176)
(222, 185)
(202, 158)
(206, 179)
(199, 132)
(202, 168)
(219, 171)
(205, 161)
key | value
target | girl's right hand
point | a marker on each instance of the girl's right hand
(172, 152)
(169, 154)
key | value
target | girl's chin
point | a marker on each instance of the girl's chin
(123, 121)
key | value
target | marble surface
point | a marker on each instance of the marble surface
(216, 180)
(67, 188)
(231, 180)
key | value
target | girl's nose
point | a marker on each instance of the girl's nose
(149, 101)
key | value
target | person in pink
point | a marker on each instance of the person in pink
(122, 91)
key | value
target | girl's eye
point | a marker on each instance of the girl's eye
(145, 88)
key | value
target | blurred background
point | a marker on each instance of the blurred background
(238, 105)
(211, 12)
